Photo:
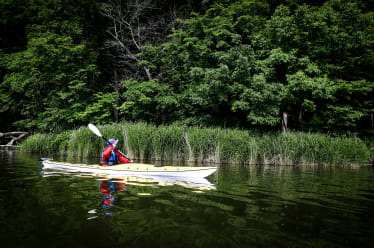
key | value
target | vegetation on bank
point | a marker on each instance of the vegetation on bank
(235, 64)
(180, 143)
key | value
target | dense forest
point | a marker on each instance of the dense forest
(254, 64)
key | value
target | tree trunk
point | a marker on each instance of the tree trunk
(284, 122)
(147, 71)
(372, 120)
(300, 115)
(300, 118)
(116, 87)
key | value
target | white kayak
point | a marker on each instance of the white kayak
(133, 169)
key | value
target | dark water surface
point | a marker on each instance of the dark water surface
(251, 207)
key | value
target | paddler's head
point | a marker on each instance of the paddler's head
(112, 142)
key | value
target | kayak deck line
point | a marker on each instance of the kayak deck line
(135, 168)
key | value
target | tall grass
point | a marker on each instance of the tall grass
(168, 143)
(369, 141)
(139, 139)
(179, 143)
(40, 143)
(203, 143)
(83, 143)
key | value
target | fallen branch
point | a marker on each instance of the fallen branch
(14, 136)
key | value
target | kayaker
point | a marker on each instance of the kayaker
(111, 156)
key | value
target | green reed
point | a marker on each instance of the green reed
(202, 144)
(168, 143)
(369, 141)
(82, 143)
(213, 145)
(139, 140)
(237, 146)
(40, 143)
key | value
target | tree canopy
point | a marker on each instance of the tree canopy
(306, 65)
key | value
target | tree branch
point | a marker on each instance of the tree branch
(13, 136)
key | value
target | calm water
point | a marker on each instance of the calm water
(250, 207)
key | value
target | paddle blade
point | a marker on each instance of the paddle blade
(94, 129)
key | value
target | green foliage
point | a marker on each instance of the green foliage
(261, 102)
(139, 140)
(83, 143)
(40, 143)
(358, 94)
(238, 64)
(203, 144)
(168, 143)
(206, 145)
(61, 141)
(291, 61)
(302, 148)
(47, 143)
(100, 111)
(48, 82)
(148, 101)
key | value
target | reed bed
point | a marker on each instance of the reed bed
(168, 143)
(144, 141)
(40, 143)
(369, 141)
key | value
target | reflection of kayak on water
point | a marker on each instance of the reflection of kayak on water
(200, 183)
(156, 181)
(148, 181)
(134, 169)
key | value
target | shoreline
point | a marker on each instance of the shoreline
(146, 142)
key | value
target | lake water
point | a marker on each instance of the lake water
(252, 206)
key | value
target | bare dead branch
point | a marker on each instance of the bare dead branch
(12, 133)
(135, 25)
(14, 136)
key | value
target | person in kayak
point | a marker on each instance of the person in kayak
(111, 156)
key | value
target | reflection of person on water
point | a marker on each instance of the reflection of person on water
(107, 187)
(111, 156)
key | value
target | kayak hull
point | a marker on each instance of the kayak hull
(132, 169)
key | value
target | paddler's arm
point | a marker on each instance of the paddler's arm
(107, 151)
(122, 158)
